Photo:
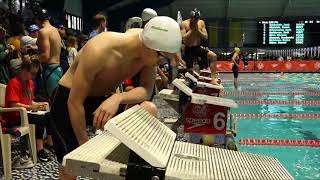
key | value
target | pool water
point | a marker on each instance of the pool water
(301, 162)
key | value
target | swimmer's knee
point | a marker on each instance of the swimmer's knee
(150, 107)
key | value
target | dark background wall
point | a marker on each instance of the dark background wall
(120, 14)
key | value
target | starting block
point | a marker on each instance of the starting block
(203, 87)
(203, 77)
(203, 115)
(182, 69)
(139, 146)
(205, 73)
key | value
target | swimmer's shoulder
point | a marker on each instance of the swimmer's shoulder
(201, 21)
(115, 35)
(101, 42)
(134, 31)
(43, 31)
(185, 22)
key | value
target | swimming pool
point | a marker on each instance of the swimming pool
(301, 162)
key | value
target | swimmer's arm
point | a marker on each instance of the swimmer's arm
(43, 46)
(162, 75)
(203, 31)
(234, 59)
(79, 91)
(180, 60)
(184, 32)
(142, 93)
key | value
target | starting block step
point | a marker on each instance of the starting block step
(203, 84)
(95, 158)
(199, 98)
(140, 131)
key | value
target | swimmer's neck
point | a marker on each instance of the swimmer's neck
(139, 51)
(45, 23)
(135, 44)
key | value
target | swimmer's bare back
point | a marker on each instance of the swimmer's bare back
(113, 57)
(194, 39)
(49, 43)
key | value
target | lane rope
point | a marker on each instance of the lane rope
(292, 102)
(312, 143)
(286, 116)
(237, 93)
(273, 88)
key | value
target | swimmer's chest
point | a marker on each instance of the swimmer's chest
(113, 74)
(187, 26)
(194, 38)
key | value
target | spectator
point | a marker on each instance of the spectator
(99, 25)
(245, 59)
(82, 40)
(72, 46)
(4, 71)
(63, 34)
(64, 51)
(15, 40)
(19, 93)
(29, 43)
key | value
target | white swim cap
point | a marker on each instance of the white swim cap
(162, 33)
(148, 14)
(134, 22)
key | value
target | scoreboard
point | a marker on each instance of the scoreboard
(291, 33)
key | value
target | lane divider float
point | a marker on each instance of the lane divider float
(306, 103)
(273, 88)
(285, 116)
(312, 143)
(242, 93)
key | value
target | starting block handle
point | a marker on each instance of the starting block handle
(138, 168)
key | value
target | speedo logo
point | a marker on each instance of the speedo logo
(159, 28)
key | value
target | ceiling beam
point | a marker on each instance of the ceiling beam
(227, 6)
(121, 4)
(285, 7)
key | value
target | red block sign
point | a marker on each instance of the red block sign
(272, 65)
(205, 118)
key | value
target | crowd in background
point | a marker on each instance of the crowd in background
(21, 70)
(18, 40)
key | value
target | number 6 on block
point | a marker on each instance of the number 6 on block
(218, 121)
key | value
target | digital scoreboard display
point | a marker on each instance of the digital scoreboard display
(273, 33)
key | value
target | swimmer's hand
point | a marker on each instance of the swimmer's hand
(194, 25)
(106, 111)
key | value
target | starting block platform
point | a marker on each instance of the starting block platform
(205, 72)
(136, 145)
(196, 98)
(204, 76)
(203, 87)
(203, 84)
